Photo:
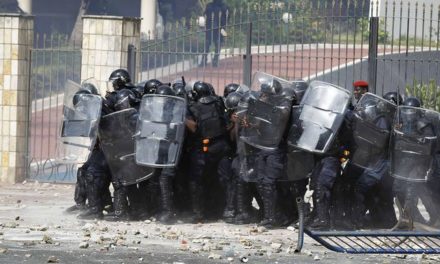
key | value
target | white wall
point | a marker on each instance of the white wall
(423, 15)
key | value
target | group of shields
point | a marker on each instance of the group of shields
(135, 142)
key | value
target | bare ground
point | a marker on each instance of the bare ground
(35, 229)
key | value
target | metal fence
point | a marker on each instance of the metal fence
(394, 45)
(53, 62)
(334, 41)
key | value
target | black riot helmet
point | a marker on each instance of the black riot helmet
(200, 90)
(232, 87)
(410, 115)
(272, 88)
(211, 89)
(90, 88)
(124, 99)
(119, 78)
(412, 101)
(77, 97)
(180, 91)
(232, 100)
(370, 109)
(165, 90)
(177, 85)
(151, 86)
(393, 97)
(138, 90)
(289, 93)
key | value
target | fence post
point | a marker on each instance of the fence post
(247, 58)
(372, 53)
(131, 62)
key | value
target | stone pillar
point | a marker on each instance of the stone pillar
(148, 15)
(105, 46)
(25, 5)
(16, 40)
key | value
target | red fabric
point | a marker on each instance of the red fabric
(360, 83)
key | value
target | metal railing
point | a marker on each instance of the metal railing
(53, 62)
(394, 45)
(334, 41)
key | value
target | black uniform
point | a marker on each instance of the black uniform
(209, 146)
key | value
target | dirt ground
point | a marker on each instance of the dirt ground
(35, 229)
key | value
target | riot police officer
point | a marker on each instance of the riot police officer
(414, 124)
(207, 122)
(375, 166)
(120, 79)
(230, 88)
(271, 163)
(166, 175)
(229, 177)
(151, 86)
(95, 174)
(120, 99)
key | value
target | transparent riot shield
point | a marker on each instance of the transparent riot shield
(160, 130)
(372, 122)
(390, 208)
(247, 155)
(414, 144)
(116, 134)
(267, 114)
(300, 164)
(318, 118)
(79, 128)
(260, 78)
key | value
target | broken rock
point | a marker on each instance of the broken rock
(53, 259)
(83, 245)
(214, 256)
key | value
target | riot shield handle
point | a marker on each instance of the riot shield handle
(183, 81)
(137, 135)
(127, 156)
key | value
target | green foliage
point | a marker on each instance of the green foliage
(363, 26)
(428, 93)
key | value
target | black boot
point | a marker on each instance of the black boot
(80, 195)
(269, 195)
(196, 201)
(76, 208)
(243, 204)
(94, 197)
(229, 211)
(359, 209)
(166, 195)
(321, 208)
(106, 199)
(120, 205)
(153, 194)
(136, 197)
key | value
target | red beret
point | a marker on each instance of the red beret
(360, 83)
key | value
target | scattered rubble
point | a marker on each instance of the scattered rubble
(214, 256)
(53, 259)
(47, 239)
(83, 245)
